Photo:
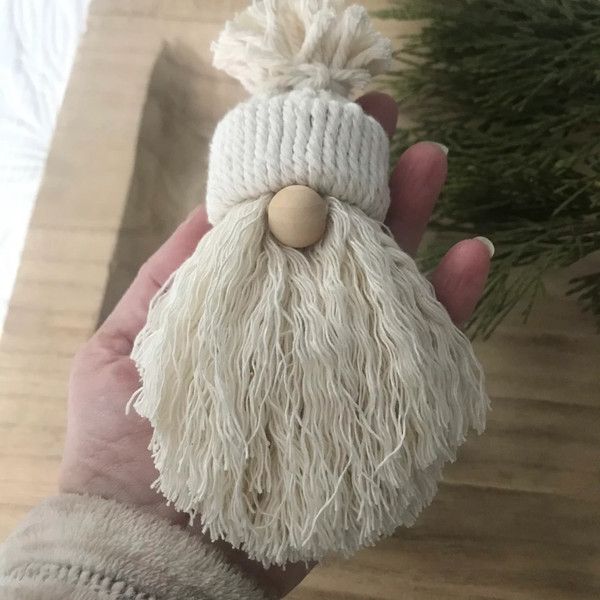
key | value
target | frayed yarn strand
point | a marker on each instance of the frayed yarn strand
(279, 45)
(304, 402)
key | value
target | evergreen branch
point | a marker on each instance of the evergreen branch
(512, 87)
(587, 289)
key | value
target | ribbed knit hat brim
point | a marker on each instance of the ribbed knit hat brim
(305, 137)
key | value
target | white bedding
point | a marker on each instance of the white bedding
(38, 40)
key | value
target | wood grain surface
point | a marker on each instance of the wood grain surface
(517, 517)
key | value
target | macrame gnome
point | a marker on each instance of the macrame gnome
(304, 385)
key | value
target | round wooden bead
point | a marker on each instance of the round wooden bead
(297, 216)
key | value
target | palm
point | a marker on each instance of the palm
(106, 452)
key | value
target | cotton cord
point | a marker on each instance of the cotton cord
(303, 402)
(308, 137)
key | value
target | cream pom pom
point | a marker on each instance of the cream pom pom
(279, 45)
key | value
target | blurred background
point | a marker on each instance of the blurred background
(106, 114)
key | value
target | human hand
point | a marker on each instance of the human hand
(106, 452)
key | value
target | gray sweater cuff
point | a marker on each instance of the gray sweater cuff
(88, 548)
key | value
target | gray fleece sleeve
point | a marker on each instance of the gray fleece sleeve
(85, 548)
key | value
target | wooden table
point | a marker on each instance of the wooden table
(518, 516)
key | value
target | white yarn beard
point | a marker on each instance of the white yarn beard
(303, 402)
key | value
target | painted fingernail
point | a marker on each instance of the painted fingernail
(443, 148)
(488, 244)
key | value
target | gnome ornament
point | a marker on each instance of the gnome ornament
(304, 385)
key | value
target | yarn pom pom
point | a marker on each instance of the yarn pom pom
(279, 45)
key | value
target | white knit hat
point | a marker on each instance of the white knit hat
(300, 128)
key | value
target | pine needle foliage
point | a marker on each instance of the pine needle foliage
(512, 87)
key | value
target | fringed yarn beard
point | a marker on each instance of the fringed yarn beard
(303, 402)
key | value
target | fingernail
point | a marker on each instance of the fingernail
(443, 148)
(488, 244)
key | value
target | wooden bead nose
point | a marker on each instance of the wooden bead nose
(297, 216)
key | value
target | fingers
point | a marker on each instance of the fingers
(416, 180)
(415, 185)
(129, 316)
(381, 107)
(460, 277)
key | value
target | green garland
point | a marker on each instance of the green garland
(513, 88)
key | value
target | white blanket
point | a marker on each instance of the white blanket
(38, 40)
